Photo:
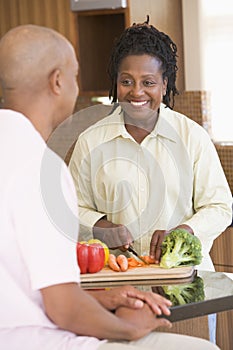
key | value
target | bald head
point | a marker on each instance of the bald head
(28, 54)
(38, 75)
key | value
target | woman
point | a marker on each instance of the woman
(145, 169)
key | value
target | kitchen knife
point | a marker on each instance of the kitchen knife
(131, 250)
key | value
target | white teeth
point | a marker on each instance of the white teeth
(138, 104)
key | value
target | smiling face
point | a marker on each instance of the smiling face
(140, 86)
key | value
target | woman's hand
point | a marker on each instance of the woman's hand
(130, 297)
(158, 238)
(156, 244)
(115, 236)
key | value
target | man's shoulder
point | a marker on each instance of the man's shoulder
(9, 117)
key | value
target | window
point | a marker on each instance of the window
(217, 26)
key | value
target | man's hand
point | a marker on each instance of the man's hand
(158, 238)
(73, 309)
(115, 236)
(133, 298)
(143, 320)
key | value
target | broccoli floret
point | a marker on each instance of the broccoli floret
(180, 248)
(185, 293)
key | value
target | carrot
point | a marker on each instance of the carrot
(148, 259)
(112, 263)
(123, 262)
(134, 263)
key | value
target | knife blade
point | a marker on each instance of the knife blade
(131, 250)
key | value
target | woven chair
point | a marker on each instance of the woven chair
(225, 152)
(69, 153)
(85, 118)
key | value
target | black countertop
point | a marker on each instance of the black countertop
(217, 297)
(215, 293)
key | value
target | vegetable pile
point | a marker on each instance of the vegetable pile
(180, 248)
(185, 293)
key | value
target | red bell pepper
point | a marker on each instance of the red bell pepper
(90, 257)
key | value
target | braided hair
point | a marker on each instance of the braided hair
(141, 39)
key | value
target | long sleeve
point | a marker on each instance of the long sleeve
(80, 169)
(212, 199)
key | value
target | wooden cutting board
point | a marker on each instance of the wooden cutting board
(151, 272)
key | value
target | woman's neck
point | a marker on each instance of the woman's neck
(139, 129)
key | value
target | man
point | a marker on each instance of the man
(42, 303)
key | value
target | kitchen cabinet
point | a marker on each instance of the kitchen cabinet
(96, 31)
(49, 13)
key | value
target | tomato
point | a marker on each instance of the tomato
(90, 257)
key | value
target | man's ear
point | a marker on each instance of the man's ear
(55, 81)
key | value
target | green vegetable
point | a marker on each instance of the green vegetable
(181, 294)
(180, 248)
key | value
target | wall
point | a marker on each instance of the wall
(192, 25)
